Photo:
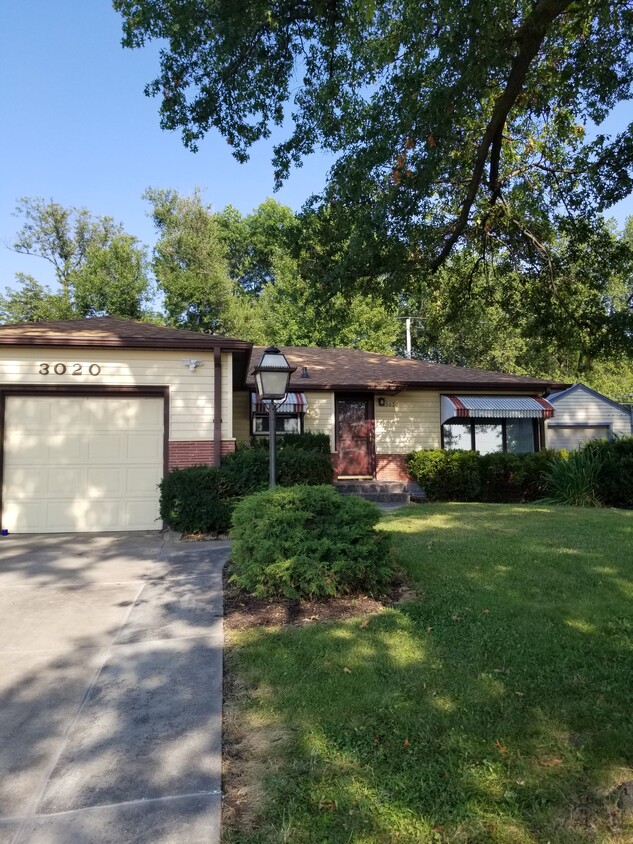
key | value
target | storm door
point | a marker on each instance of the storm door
(355, 436)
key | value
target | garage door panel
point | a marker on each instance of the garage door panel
(24, 516)
(139, 513)
(82, 464)
(35, 482)
(148, 417)
(105, 481)
(23, 483)
(105, 447)
(63, 480)
(21, 447)
(64, 449)
(140, 478)
(67, 414)
(571, 437)
(144, 448)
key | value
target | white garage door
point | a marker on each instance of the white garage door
(82, 464)
(574, 436)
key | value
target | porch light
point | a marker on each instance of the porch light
(272, 375)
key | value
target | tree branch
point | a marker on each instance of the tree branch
(529, 37)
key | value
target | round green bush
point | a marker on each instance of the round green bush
(308, 542)
(195, 500)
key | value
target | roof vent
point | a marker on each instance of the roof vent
(304, 372)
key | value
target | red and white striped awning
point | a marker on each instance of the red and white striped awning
(292, 403)
(495, 407)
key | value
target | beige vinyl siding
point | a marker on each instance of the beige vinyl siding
(227, 396)
(583, 407)
(190, 392)
(408, 421)
(242, 417)
(319, 415)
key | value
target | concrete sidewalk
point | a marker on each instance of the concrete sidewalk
(110, 689)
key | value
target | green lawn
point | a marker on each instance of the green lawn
(495, 707)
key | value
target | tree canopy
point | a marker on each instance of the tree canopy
(454, 122)
(101, 270)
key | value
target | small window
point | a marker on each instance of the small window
(286, 424)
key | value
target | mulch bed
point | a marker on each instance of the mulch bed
(242, 611)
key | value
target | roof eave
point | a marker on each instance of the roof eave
(128, 342)
(396, 386)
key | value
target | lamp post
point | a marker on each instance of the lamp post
(272, 375)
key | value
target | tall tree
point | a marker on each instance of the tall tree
(33, 302)
(498, 316)
(261, 245)
(100, 269)
(453, 121)
(191, 265)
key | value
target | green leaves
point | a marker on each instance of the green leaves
(100, 269)
(486, 99)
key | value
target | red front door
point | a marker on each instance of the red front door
(354, 436)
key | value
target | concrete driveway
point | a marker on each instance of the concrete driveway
(110, 689)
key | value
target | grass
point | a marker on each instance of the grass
(495, 707)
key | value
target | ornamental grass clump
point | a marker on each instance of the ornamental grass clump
(575, 480)
(308, 542)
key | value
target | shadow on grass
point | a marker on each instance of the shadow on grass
(496, 708)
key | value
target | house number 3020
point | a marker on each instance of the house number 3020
(71, 369)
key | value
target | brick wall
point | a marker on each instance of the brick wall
(391, 467)
(183, 453)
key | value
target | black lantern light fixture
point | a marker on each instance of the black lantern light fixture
(272, 375)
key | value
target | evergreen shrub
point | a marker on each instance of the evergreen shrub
(296, 465)
(307, 441)
(200, 499)
(196, 500)
(615, 480)
(308, 542)
(512, 478)
(446, 475)
(469, 476)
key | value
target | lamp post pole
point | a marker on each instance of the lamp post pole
(272, 376)
(272, 443)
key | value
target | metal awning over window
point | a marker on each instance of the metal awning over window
(293, 403)
(495, 407)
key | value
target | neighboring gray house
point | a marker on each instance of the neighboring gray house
(582, 414)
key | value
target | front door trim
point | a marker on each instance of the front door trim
(369, 399)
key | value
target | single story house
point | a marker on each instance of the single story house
(94, 412)
(582, 414)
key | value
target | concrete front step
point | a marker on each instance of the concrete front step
(392, 492)
(386, 497)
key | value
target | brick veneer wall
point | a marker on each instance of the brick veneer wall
(183, 453)
(391, 467)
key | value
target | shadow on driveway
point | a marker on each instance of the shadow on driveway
(110, 689)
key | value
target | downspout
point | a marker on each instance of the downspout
(217, 405)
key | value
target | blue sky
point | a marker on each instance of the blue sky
(75, 126)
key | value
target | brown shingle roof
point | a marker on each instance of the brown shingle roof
(111, 331)
(352, 369)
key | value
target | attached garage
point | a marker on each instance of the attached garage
(94, 412)
(82, 463)
(582, 414)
